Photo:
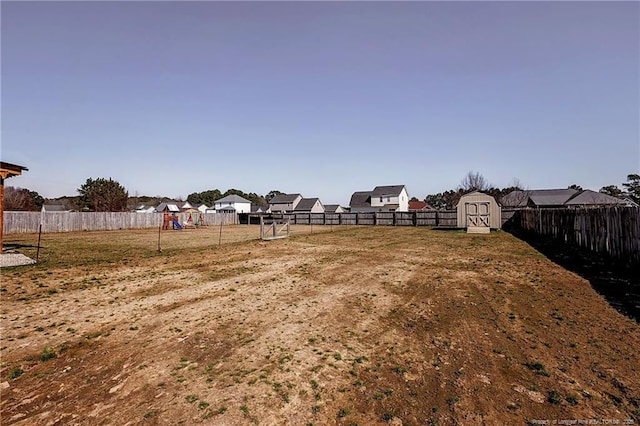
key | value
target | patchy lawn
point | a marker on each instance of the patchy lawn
(354, 326)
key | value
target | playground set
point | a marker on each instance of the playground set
(172, 221)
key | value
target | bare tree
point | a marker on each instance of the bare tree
(474, 181)
(20, 199)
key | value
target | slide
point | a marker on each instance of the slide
(176, 223)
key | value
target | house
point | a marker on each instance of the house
(168, 207)
(260, 209)
(309, 205)
(54, 208)
(202, 208)
(478, 213)
(360, 202)
(233, 204)
(415, 206)
(186, 206)
(333, 208)
(382, 199)
(559, 198)
(145, 209)
(284, 202)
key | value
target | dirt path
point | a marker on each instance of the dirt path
(364, 326)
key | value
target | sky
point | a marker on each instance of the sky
(319, 98)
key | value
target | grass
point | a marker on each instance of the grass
(47, 354)
(297, 342)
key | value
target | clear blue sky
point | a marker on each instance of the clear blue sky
(170, 98)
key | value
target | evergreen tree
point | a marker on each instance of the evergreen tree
(102, 195)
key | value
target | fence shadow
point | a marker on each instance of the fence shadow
(617, 282)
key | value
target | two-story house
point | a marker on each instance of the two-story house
(391, 198)
(283, 203)
(233, 204)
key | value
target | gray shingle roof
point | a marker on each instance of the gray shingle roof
(589, 197)
(233, 198)
(54, 208)
(390, 190)
(331, 208)
(306, 204)
(284, 198)
(551, 197)
(361, 199)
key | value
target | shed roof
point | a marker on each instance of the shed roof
(392, 190)
(284, 198)
(233, 198)
(360, 199)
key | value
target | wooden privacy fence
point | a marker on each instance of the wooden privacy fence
(611, 230)
(443, 218)
(26, 222)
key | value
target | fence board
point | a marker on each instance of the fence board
(611, 230)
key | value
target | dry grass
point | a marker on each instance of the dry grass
(355, 326)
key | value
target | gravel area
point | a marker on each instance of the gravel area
(14, 259)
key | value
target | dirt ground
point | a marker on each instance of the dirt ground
(365, 326)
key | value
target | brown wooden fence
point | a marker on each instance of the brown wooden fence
(26, 222)
(440, 218)
(611, 230)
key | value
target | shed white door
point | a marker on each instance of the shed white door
(477, 216)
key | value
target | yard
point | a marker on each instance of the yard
(367, 325)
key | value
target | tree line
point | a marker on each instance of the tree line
(103, 194)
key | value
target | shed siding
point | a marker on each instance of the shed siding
(495, 221)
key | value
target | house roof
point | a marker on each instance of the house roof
(589, 197)
(361, 199)
(419, 205)
(390, 190)
(551, 197)
(284, 198)
(166, 206)
(54, 208)
(233, 198)
(539, 197)
(306, 204)
(331, 208)
(256, 208)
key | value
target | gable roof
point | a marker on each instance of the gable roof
(166, 206)
(539, 197)
(284, 198)
(331, 208)
(589, 197)
(551, 197)
(53, 208)
(233, 198)
(419, 205)
(390, 190)
(306, 204)
(360, 199)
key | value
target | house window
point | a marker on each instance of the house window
(380, 199)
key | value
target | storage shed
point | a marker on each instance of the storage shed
(478, 213)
